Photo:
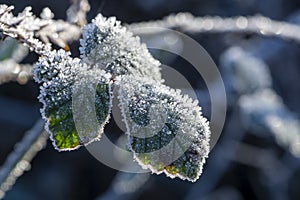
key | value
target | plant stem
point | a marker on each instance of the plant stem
(188, 23)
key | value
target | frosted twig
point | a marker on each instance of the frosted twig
(19, 160)
(23, 28)
(36, 33)
(188, 23)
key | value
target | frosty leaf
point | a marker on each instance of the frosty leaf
(113, 48)
(165, 129)
(57, 73)
(91, 104)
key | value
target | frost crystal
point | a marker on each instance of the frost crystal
(113, 48)
(57, 74)
(165, 129)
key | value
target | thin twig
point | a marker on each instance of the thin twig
(35, 32)
(19, 160)
(188, 23)
(17, 27)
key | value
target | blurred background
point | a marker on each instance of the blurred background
(258, 154)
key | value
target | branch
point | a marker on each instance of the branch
(19, 160)
(36, 33)
(188, 23)
(22, 27)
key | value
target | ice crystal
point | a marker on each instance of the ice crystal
(165, 129)
(57, 74)
(24, 25)
(113, 48)
(35, 32)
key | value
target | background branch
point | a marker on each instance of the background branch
(19, 160)
(186, 22)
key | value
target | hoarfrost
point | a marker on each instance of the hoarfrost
(57, 74)
(166, 131)
(110, 46)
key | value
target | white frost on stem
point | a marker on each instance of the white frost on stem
(188, 23)
(108, 45)
(35, 32)
(22, 27)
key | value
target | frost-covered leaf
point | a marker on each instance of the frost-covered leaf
(58, 75)
(113, 48)
(165, 129)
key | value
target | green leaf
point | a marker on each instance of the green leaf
(72, 92)
(61, 122)
(166, 131)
